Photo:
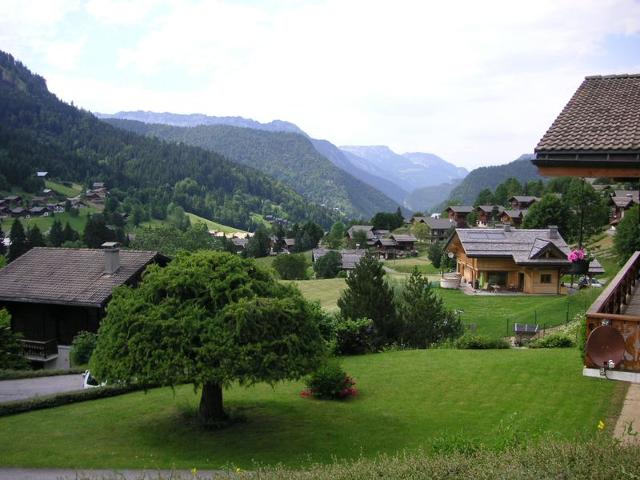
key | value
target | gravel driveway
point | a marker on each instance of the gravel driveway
(34, 387)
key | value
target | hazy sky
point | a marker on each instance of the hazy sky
(476, 82)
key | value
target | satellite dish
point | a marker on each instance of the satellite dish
(450, 255)
(605, 343)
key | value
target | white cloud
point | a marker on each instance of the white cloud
(476, 82)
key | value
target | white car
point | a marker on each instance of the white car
(590, 282)
(88, 381)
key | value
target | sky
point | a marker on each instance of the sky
(476, 82)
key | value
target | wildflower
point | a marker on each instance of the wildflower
(601, 425)
(194, 471)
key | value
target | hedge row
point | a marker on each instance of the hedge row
(50, 401)
(18, 374)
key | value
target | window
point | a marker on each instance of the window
(545, 278)
(497, 278)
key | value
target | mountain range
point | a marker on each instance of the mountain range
(394, 175)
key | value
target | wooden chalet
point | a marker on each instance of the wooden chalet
(439, 228)
(528, 261)
(621, 201)
(54, 293)
(18, 212)
(487, 214)
(458, 214)
(522, 202)
(13, 199)
(598, 135)
(513, 217)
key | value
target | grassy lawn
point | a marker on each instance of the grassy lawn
(491, 313)
(406, 265)
(75, 189)
(408, 400)
(211, 225)
(326, 291)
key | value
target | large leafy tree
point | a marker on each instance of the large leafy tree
(169, 240)
(328, 265)
(369, 296)
(425, 318)
(209, 318)
(18, 241)
(585, 202)
(627, 238)
(335, 237)
(258, 245)
(291, 267)
(550, 210)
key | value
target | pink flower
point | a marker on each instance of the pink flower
(576, 255)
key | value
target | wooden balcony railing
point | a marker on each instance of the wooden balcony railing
(40, 350)
(612, 308)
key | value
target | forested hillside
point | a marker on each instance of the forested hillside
(425, 198)
(491, 177)
(39, 132)
(289, 157)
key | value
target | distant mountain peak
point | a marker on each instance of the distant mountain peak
(197, 119)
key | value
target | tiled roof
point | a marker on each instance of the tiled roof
(68, 276)
(404, 238)
(521, 244)
(623, 202)
(634, 194)
(386, 242)
(515, 213)
(603, 114)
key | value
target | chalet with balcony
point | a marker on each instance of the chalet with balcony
(528, 261)
(458, 214)
(54, 293)
(597, 134)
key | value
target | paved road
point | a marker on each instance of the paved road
(33, 387)
(68, 474)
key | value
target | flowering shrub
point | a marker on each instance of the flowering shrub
(576, 255)
(329, 382)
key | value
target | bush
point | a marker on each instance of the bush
(329, 382)
(82, 347)
(328, 266)
(470, 341)
(38, 403)
(11, 374)
(554, 340)
(11, 356)
(291, 267)
(353, 337)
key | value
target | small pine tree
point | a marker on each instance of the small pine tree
(18, 241)
(368, 296)
(70, 235)
(96, 232)
(56, 234)
(35, 237)
(425, 319)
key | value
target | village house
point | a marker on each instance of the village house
(528, 261)
(486, 214)
(349, 259)
(13, 199)
(522, 202)
(54, 293)
(438, 227)
(367, 229)
(458, 214)
(39, 211)
(621, 201)
(513, 217)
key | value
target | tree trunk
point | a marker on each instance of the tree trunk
(211, 403)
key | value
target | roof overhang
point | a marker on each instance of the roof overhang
(588, 164)
(45, 301)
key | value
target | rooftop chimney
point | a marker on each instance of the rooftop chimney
(111, 257)
(553, 231)
(507, 227)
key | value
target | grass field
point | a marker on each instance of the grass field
(72, 191)
(408, 400)
(406, 265)
(44, 223)
(211, 225)
(490, 313)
